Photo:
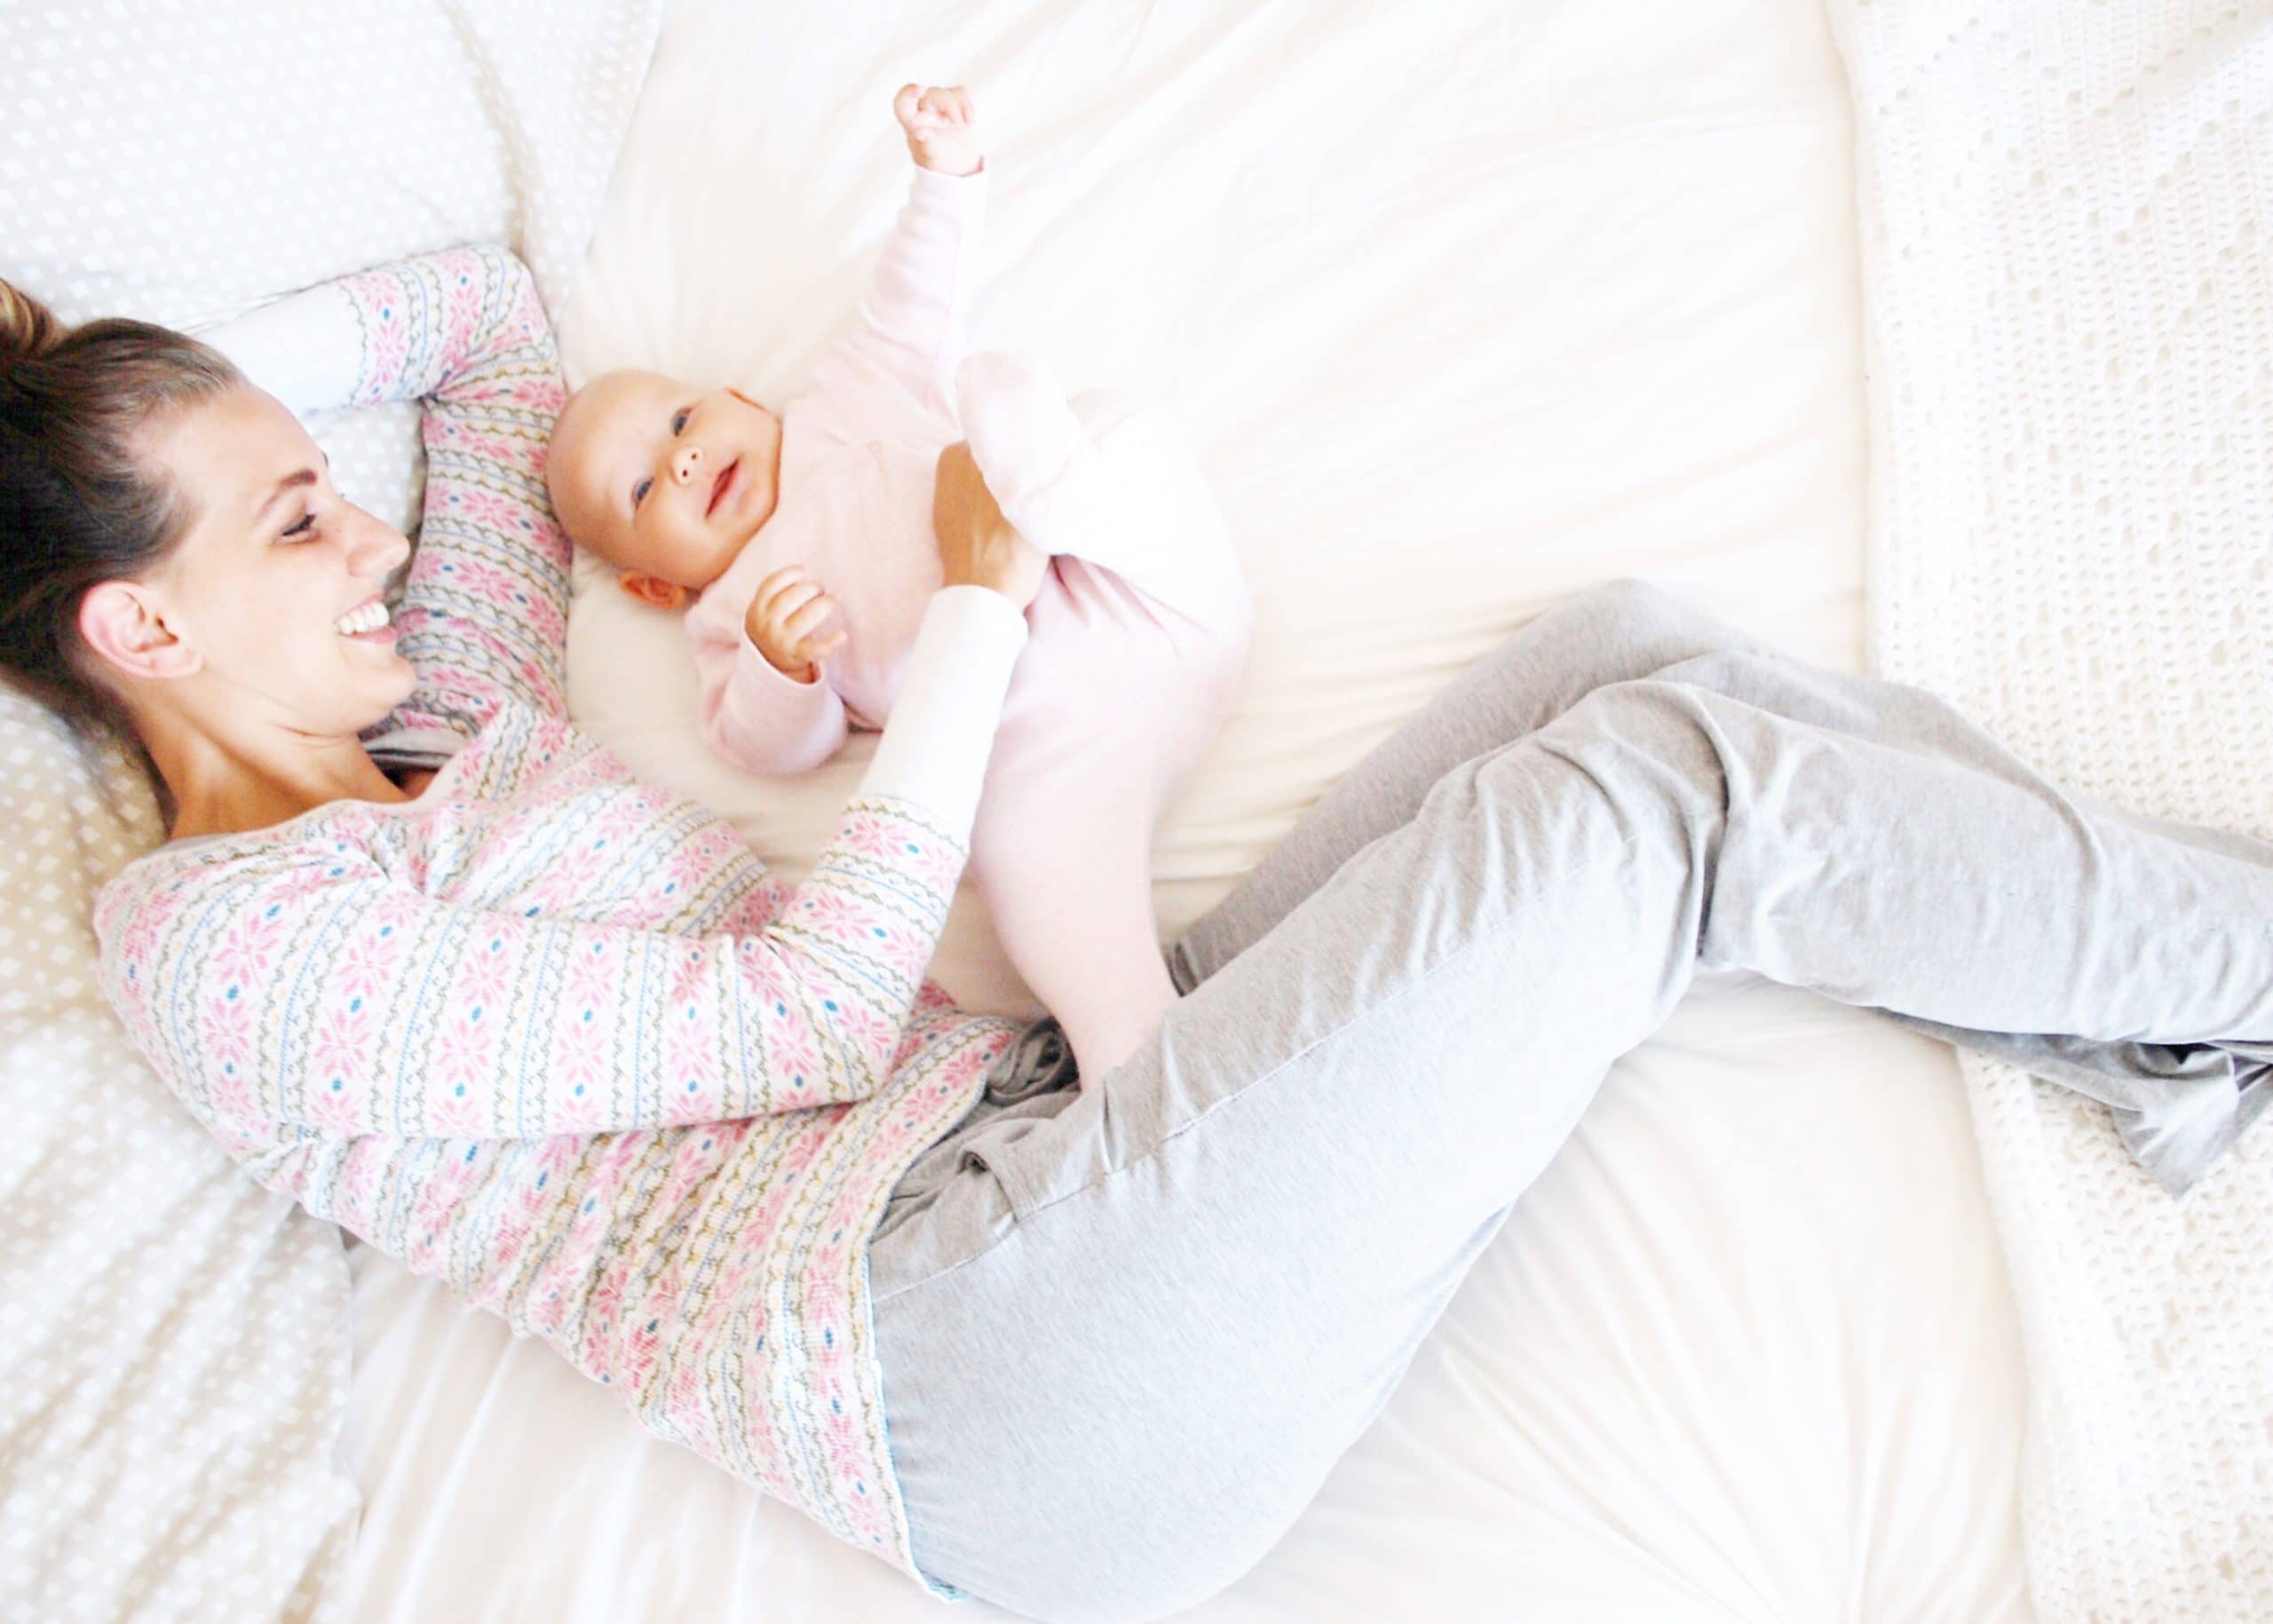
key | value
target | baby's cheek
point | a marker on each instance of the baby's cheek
(644, 544)
(631, 550)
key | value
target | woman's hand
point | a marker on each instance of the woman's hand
(977, 546)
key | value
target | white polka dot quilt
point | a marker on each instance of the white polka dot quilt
(175, 1342)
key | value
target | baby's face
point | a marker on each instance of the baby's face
(660, 478)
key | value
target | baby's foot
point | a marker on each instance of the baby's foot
(1130, 500)
(1022, 435)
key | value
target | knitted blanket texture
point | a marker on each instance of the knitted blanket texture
(2067, 227)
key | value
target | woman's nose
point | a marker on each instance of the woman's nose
(686, 462)
(378, 548)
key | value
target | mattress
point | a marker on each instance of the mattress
(1465, 308)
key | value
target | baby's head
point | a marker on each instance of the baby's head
(665, 481)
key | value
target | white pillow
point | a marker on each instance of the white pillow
(183, 164)
(173, 1339)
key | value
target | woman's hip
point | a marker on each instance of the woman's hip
(1121, 1358)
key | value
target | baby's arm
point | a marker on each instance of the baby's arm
(758, 718)
(908, 337)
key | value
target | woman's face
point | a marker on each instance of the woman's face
(272, 595)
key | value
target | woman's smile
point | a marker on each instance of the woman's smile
(367, 622)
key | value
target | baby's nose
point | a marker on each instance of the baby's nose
(685, 463)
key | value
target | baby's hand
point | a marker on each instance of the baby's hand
(942, 128)
(782, 618)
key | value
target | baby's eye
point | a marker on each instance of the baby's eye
(639, 491)
(678, 421)
(306, 527)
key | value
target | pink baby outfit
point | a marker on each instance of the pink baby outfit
(1136, 638)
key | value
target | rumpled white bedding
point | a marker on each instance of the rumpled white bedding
(2070, 323)
(1466, 306)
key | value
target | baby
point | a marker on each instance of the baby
(806, 533)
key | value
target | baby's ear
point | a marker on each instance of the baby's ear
(651, 590)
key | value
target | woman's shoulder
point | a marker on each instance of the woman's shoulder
(248, 854)
(213, 878)
(513, 764)
(241, 855)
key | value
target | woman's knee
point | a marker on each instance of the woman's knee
(1084, 1511)
(1630, 595)
(1648, 738)
(1632, 608)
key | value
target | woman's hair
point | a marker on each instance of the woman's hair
(80, 501)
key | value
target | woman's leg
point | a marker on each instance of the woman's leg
(1205, 1274)
(2177, 1108)
(1611, 633)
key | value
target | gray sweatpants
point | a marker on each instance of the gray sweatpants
(1126, 1328)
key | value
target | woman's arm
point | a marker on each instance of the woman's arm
(328, 993)
(484, 615)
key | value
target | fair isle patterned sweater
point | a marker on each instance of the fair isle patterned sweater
(554, 1037)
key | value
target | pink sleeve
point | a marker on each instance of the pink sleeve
(324, 993)
(895, 371)
(754, 717)
(485, 610)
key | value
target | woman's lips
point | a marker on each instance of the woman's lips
(724, 483)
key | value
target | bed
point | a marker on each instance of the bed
(1466, 306)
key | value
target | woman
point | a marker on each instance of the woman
(437, 966)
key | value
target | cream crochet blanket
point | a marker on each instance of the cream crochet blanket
(2067, 214)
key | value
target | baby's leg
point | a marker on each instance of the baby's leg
(1107, 712)
(1106, 477)
(1066, 878)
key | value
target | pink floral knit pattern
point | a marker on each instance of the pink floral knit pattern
(547, 1033)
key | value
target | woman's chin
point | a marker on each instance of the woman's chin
(387, 690)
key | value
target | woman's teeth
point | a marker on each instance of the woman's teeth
(371, 617)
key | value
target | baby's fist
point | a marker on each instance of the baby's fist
(942, 128)
(784, 619)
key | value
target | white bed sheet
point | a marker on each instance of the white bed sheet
(1465, 309)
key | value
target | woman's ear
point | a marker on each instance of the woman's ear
(121, 623)
(651, 590)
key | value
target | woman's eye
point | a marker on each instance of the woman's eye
(306, 527)
(678, 421)
(639, 491)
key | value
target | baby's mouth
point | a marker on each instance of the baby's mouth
(724, 483)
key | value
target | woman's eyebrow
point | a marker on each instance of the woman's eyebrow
(289, 482)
